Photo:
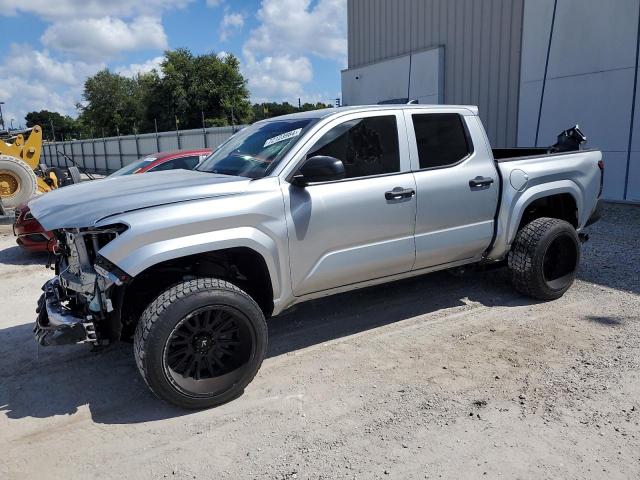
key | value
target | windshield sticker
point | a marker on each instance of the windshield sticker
(282, 136)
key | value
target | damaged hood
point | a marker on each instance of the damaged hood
(86, 203)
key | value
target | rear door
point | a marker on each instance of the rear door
(353, 230)
(457, 187)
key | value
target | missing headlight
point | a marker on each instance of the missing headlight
(110, 271)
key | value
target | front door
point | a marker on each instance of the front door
(352, 230)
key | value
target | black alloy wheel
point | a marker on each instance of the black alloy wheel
(209, 350)
(200, 343)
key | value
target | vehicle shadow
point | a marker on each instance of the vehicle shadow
(322, 320)
(17, 256)
(46, 382)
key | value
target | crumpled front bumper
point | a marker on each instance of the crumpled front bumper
(55, 324)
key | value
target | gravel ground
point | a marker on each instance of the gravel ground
(434, 377)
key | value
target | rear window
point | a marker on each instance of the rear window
(133, 167)
(441, 139)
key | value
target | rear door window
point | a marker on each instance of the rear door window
(441, 139)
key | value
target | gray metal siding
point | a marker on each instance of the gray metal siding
(481, 38)
(590, 62)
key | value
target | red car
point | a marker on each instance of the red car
(33, 238)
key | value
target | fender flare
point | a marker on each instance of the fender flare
(509, 217)
(540, 191)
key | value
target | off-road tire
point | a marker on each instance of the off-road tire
(157, 324)
(28, 183)
(526, 260)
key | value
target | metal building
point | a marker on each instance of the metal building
(533, 67)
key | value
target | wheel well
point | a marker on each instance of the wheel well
(241, 266)
(562, 206)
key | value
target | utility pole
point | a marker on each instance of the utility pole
(1, 119)
(155, 124)
(204, 130)
(178, 131)
(53, 132)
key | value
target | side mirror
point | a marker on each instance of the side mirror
(320, 168)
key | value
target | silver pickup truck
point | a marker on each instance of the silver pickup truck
(190, 263)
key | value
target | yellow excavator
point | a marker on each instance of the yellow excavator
(21, 174)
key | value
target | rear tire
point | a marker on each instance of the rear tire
(18, 182)
(544, 258)
(200, 343)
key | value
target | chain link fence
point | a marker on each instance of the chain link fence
(106, 155)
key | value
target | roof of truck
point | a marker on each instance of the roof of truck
(327, 112)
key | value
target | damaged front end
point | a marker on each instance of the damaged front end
(81, 304)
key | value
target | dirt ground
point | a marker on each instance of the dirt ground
(434, 377)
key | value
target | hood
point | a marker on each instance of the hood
(84, 204)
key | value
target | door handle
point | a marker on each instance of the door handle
(480, 182)
(399, 192)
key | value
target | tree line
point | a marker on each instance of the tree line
(187, 91)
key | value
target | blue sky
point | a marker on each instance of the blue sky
(288, 49)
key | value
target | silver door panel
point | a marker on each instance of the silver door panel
(454, 221)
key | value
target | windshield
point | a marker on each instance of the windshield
(254, 151)
(133, 167)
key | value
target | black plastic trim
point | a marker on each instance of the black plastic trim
(515, 159)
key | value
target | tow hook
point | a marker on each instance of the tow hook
(583, 237)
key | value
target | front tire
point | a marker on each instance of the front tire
(200, 343)
(544, 258)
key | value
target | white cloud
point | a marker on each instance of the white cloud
(230, 25)
(214, 3)
(297, 28)
(33, 80)
(101, 38)
(69, 9)
(135, 69)
(277, 77)
(301, 30)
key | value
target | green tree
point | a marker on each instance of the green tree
(191, 87)
(187, 90)
(112, 103)
(63, 126)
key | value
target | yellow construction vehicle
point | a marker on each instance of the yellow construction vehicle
(21, 174)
